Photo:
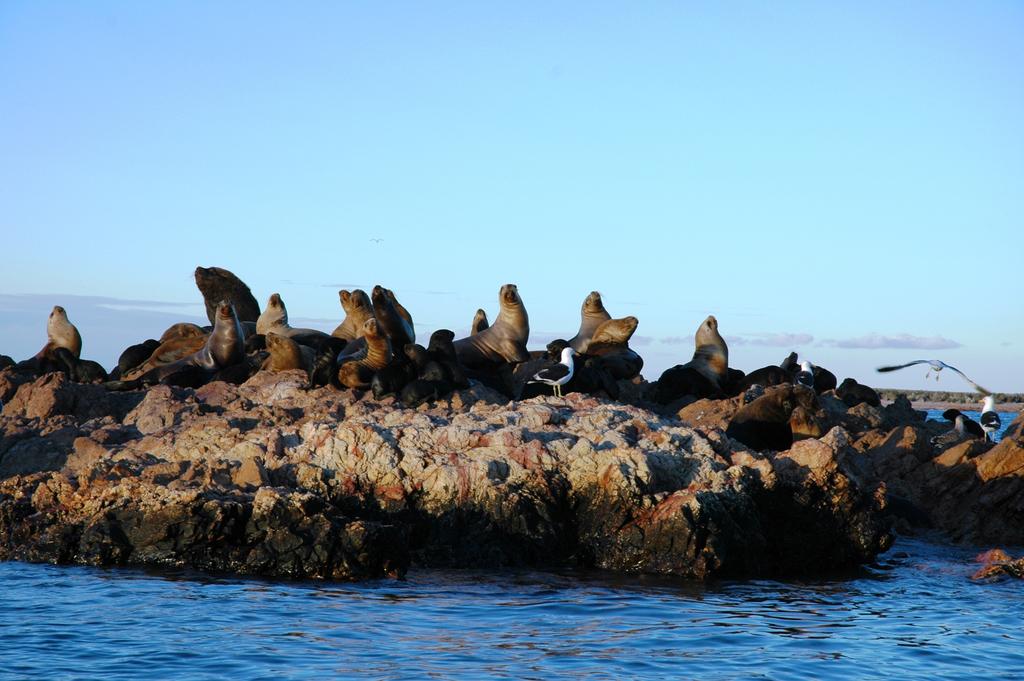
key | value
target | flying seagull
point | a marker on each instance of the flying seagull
(556, 375)
(377, 240)
(936, 366)
(990, 418)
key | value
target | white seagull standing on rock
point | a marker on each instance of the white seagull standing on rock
(556, 375)
(806, 374)
(990, 418)
(936, 366)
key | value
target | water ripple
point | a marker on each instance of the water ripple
(914, 614)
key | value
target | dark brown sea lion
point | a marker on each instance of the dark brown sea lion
(274, 319)
(136, 354)
(395, 321)
(60, 333)
(503, 341)
(356, 371)
(765, 376)
(479, 322)
(80, 370)
(592, 315)
(767, 422)
(853, 393)
(217, 284)
(358, 309)
(286, 354)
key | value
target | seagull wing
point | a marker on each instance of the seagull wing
(977, 387)
(903, 366)
(551, 373)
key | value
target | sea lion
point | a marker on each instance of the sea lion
(765, 376)
(711, 354)
(183, 330)
(286, 354)
(60, 333)
(135, 355)
(791, 364)
(609, 344)
(223, 348)
(441, 349)
(503, 341)
(394, 320)
(79, 370)
(680, 381)
(824, 380)
(853, 393)
(168, 352)
(358, 309)
(766, 423)
(479, 322)
(274, 319)
(6, 361)
(592, 315)
(218, 285)
(356, 371)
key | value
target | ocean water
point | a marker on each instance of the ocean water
(1005, 419)
(914, 614)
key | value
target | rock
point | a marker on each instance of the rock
(271, 477)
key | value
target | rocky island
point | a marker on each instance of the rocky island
(274, 477)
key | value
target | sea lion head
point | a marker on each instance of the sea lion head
(417, 354)
(615, 331)
(379, 296)
(593, 304)
(274, 315)
(707, 333)
(555, 347)
(508, 296)
(370, 328)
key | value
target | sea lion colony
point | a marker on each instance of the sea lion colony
(374, 348)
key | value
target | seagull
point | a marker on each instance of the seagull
(806, 375)
(990, 418)
(556, 375)
(965, 424)
(950, 437)
(936, 366)
(377, 240)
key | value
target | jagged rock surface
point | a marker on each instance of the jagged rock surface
(271, 478)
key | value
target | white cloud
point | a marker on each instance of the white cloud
(876, 341)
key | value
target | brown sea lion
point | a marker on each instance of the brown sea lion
(183, 330)
(217, 284)
(614, 331)
(168, 352)
(479, 322)
(356, 371)
(274, 319)
(711, 354)
(224, 348)
(503, 341)
(768, 422)
(610, 345)
(592, 315)
(60, 333)
(358, 309)
(286, 354)
(395, 321)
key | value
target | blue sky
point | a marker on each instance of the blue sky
(817, 175)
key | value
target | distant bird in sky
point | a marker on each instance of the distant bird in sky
(556, 375)
(936, 366)
(806, 374)
(990, 418)
(377, 240)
